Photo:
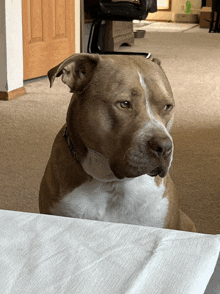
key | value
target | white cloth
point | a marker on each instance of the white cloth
(51, 254)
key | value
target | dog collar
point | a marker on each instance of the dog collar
(70, 144)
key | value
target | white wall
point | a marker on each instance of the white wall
(177, 4)
(3, 77)
(11, 54)
(77, 25)
(176, 7)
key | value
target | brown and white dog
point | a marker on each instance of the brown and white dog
(111, 159)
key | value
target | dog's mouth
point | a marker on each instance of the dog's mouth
(158, 171)
(138, 164)
(135, 172)
(152, 167)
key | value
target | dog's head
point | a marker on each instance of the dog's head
(122, 108)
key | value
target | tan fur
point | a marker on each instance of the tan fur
(117, 139)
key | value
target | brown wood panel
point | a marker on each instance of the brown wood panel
(48, 34)
(60, 21)
(36, 20)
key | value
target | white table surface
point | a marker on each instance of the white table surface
(50, 254)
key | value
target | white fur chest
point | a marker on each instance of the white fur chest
(136, 201)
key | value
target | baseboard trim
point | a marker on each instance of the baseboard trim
(12, 94)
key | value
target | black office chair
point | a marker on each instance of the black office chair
(116, 11)
(215, 10)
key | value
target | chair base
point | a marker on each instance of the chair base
(216, 28)
(93, 43)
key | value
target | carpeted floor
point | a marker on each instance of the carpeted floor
(154, 26)
(191, 61)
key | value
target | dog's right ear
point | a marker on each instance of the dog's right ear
(77, 71)
(155, 60)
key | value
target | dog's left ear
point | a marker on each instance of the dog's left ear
(156, 60)
(77, 71)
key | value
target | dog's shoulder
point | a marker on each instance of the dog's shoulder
(68, 172)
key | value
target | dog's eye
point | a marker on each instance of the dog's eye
(168, 107)
(125, 104)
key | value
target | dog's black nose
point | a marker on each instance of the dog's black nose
(161, 146)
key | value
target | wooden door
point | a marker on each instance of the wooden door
(48, 34)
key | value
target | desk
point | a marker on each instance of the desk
(50, 254)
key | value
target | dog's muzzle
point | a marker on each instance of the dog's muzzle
(160, 146)
(151, 156)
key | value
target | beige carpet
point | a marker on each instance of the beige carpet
(29, 124)
(150, 26)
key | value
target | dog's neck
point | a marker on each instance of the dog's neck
(70, 144)
(97, 166)
(94, 164)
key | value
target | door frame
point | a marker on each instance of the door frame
(11, 43)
